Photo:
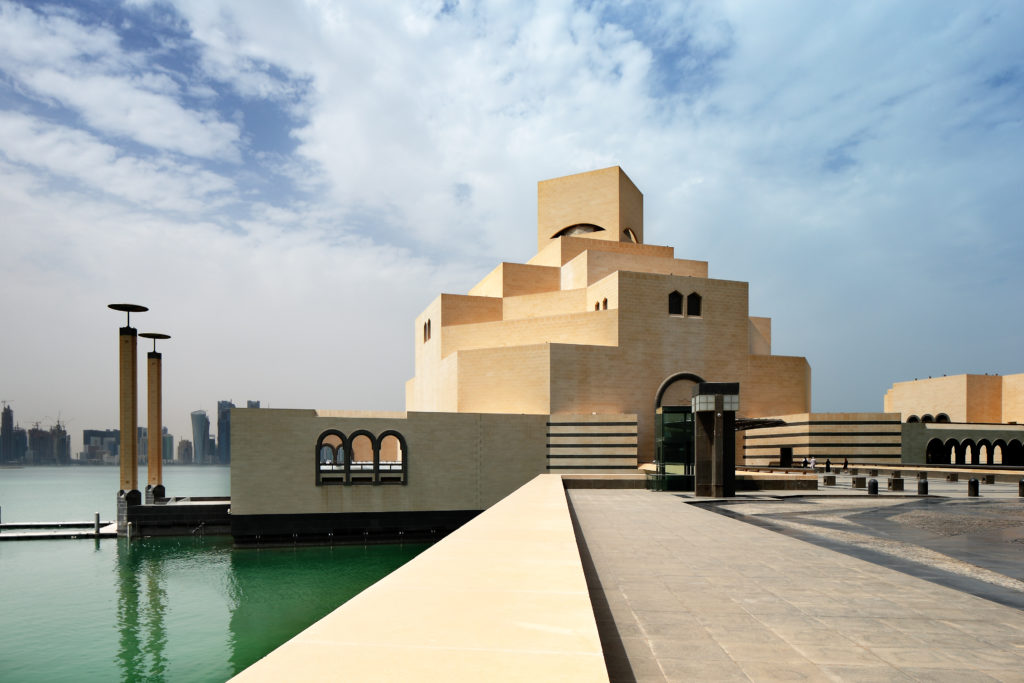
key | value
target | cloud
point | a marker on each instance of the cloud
(84, 68)
(72, 154)
(858, 165)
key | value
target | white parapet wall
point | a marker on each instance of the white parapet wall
(502, 598)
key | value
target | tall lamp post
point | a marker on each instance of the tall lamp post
(154, 413)
(129, 407)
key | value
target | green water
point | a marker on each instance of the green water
(157, 609)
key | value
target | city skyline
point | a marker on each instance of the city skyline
(285, 199)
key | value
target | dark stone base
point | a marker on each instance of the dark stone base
(776, 484)
(183, 518)
(352, 528)
(669, 482)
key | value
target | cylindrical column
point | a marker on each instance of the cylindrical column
(129, 409)
(972, 487)
(155, 417)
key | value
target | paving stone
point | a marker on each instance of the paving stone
(720, 599)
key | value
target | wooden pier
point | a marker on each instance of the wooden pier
(41, 531)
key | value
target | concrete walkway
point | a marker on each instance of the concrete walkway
(681, 593)
(503, 598)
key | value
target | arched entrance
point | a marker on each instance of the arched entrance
(674, 431)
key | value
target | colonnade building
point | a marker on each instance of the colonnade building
(560, 364)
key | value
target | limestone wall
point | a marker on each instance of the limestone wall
(456, 461)
(859, 437)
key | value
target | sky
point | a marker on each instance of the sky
(287, 185)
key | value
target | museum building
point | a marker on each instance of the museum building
(582, 360)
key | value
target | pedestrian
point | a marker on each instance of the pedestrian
(804, 463)
(828, 464)
(846, 464)
(813, 463)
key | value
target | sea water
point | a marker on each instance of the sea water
(173, 609)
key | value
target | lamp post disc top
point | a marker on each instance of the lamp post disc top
(128, 308)
(154, 336)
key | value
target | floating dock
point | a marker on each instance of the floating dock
(43, 531)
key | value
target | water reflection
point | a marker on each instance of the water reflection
(145, 605)
(276, 593)
(132, 603)
(198, 610)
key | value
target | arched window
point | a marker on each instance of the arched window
(362, 456)
(578, 229)
(693, 304)
(942, 417)
(604, 304)
(426, 331)
(392, 466)
(330, 458)
(927, 417)
(1013, 454)
(913, 418)
(953, 457)
(984, 456)
(630, 235)
(675, 303)
(970, 452)
(999, 452)
(597, 305)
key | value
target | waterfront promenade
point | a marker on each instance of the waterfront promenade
(676, 592)
(683, 593)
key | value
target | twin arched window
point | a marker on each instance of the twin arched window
(693, 304)
(361, 458)
(426, 331)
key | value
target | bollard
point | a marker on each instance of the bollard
(922, 475)
(96, 524)
(872, 487)
(972, 487)
(1020, 488)
(922, 487)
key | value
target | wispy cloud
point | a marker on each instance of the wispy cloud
(318, 171)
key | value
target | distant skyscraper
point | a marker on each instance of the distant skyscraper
(142, 445)
(200, 436)
(49, 446)
(252, 404)
(20, 445)
(7, 435)
(184, 452)
(100, 445)
(167, 441)
(224, 432)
